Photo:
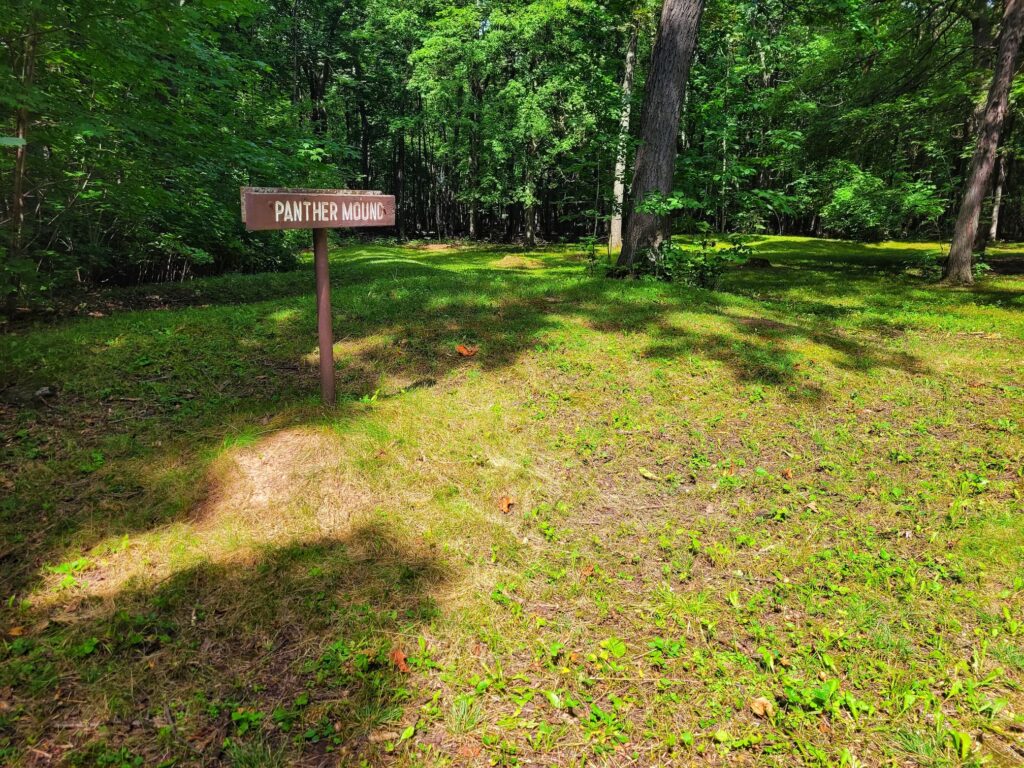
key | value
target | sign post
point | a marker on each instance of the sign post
(318, 210)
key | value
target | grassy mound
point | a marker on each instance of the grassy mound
(774, 525)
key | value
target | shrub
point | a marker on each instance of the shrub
(704, 264)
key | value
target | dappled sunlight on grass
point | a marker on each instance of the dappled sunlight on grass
(632, 492)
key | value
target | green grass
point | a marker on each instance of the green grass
(805, 489)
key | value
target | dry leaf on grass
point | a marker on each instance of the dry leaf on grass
(587, 572)
(762, 707)
(16, 631)
(787, 473)
(506, 504)
(465, 351)
(469, 750)
(397, 657)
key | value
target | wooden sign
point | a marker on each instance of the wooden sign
(318, 210)
(269, 208)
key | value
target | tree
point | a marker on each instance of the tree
(659, 127)
(619, 184)
(958, 265)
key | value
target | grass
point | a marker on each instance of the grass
(778, 524)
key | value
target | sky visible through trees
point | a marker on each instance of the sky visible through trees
(129, 125)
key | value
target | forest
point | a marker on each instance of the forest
(129, 125)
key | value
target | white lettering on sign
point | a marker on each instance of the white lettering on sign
(308, 211)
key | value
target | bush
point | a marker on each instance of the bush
(700, 263)
(704, 264)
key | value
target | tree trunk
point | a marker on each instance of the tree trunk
(619, 186)
(21, 120)
(659, 126)
(401, 208)
(997, 200)
(958, 265)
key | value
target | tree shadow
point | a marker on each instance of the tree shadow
(148, 400)
(298, 646)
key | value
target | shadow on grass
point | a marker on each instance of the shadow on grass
(148, 400)
(295, 647)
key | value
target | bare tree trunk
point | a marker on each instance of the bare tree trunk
(619, 187)
(958, 265)
(659, 127)
(21, 124)
(401, 208)
(997, 200)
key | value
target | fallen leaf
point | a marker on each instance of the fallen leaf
(506, 504)
(647, 474)
(762, 707)
(398, 657)
(469, 750)
(787, 473)
(16, 631)
(465, 351)
(587, 572)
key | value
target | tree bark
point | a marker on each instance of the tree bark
(659, 125)
(997, 200)
(958, 265)
(401, 208)
(21, 123)
(619, 186)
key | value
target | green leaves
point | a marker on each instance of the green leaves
(615, 646)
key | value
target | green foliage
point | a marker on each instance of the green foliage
(493, 119)
(863, 207)
(704, 264)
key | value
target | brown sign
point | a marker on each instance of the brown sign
(269, 208)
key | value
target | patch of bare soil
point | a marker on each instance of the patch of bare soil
(436, 247)
(514, 261)
(280, 471)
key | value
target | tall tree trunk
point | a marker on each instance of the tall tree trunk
(21, 124)
(997, 200)
(364, 145)
(619, 186)
(401, 208)
(958, 265)
(659, 127)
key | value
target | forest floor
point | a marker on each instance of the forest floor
(643, 524)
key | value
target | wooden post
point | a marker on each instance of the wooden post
(319, 210)
(323, 315)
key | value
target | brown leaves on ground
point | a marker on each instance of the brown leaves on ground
(465, 351)
(398, 658)
(762, 707)
(505, 503)
(469, 750)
